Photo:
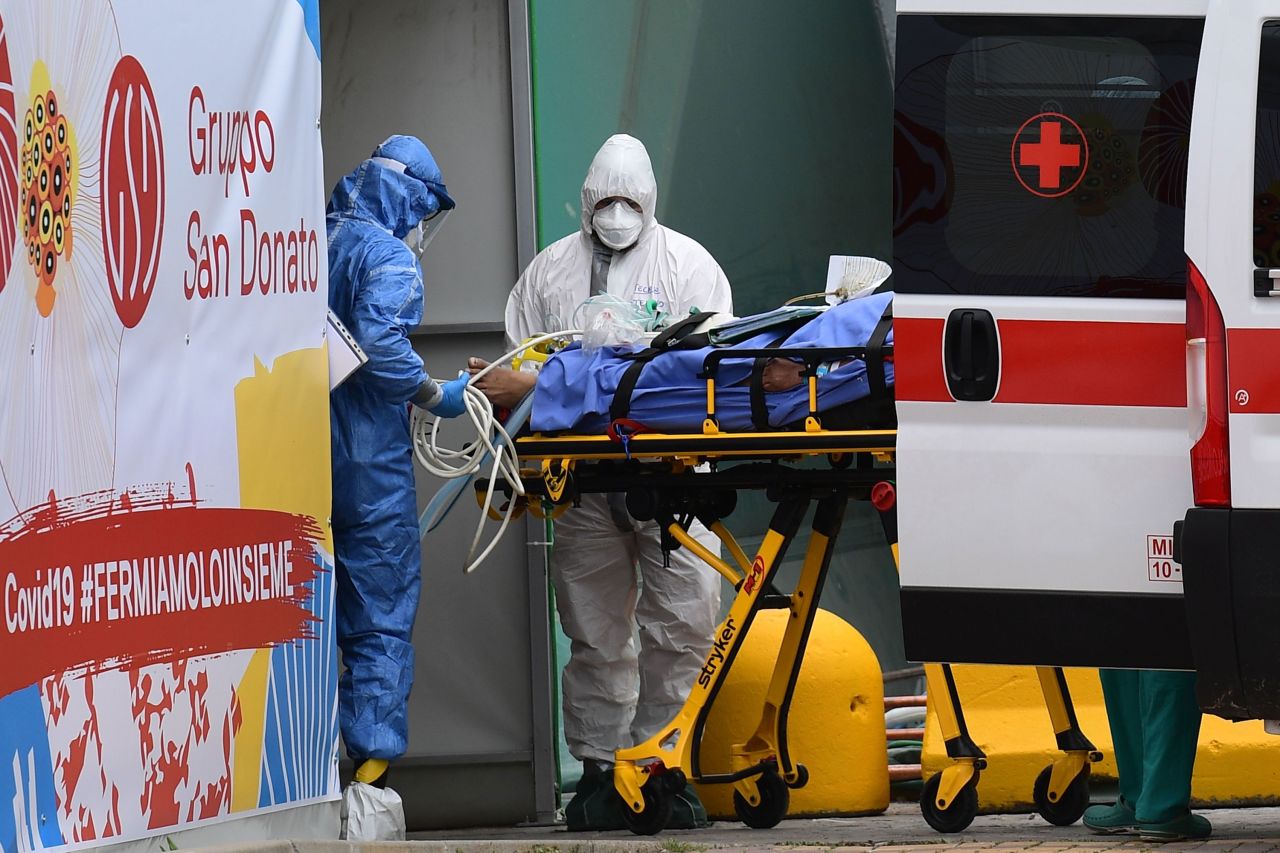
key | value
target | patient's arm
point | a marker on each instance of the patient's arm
(503, 386)
(781, 375)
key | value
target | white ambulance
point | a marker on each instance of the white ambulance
(1087, 268)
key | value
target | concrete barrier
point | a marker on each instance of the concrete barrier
(1237, 763)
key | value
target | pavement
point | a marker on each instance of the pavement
(899, 830)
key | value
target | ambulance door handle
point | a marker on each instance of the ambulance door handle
(971, 354)
(966, 345)
(1266, 282)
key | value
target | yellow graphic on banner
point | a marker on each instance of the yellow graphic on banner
(282, 433)
(246, 775)
(282, 430)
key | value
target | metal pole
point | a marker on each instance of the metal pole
(545, 777)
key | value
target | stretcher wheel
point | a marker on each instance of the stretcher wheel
(658, 802)
(1070, 806)
(802, 777)
(775, 798)
(958, 814)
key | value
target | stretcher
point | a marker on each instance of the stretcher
(674, 478)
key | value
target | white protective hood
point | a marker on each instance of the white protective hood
(621, 168)
(663, 265)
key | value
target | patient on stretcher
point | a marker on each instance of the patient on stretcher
(576, 390)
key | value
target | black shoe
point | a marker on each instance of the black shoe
(687, 811)
(596, 806)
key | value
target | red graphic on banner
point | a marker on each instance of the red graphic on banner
(118, 580)
(1049, 150)
(8, 161)
(157, 694)
(132, 199)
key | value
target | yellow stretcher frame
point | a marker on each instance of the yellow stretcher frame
(648, 775)
(762, 771)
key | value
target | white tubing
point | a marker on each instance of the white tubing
(490, 438)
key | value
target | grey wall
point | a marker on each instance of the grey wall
(441, 70)
(438, 69)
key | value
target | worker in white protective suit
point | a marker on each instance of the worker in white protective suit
(622, 251)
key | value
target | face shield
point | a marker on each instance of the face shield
(420, 238)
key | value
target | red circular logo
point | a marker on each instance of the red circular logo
(9, 199)
(132, 200)
(1050, 155)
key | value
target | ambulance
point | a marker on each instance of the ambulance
(1086, 246)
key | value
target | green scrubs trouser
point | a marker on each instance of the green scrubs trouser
(1155, 723)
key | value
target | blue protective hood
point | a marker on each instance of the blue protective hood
(410, 155)
(391, 200)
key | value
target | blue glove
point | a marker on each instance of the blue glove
(452, 398)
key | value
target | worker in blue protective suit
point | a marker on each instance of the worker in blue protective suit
(375, 289)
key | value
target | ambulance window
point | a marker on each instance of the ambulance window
(1266, 169)
(1042, 156)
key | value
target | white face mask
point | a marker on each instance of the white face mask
(618, 225)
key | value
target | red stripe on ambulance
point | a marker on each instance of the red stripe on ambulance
(1058, 362)
(917, 360)
(1076, 363)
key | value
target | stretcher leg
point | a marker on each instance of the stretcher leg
(648, 775)
(949, 800)
(761, 800)
(1061, 792)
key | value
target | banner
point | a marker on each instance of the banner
(166, 641)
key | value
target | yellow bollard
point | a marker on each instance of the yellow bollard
(836, 725)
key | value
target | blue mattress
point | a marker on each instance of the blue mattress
(575, 388)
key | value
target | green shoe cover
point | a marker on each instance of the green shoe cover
(596, 806)
(687, 811)
(1190, 826)
(1111, 820)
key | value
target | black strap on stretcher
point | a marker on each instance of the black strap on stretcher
(680, 336)
(759, 408)
(875, 354)
(676, 336)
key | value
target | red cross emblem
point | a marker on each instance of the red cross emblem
(1050, 155)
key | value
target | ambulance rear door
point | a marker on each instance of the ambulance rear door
(1230, 541)
(1040, 163)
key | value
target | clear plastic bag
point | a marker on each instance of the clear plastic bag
(607, 321)
(371, 814)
